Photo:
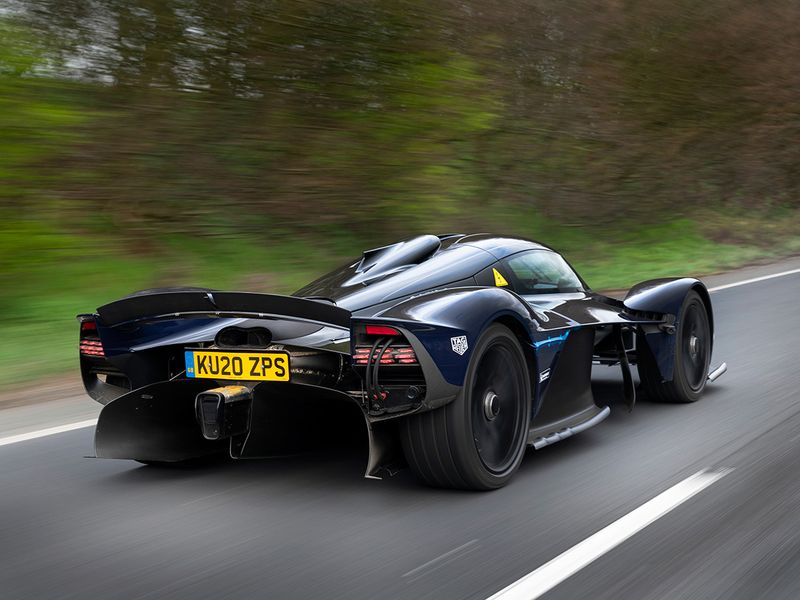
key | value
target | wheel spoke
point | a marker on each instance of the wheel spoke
(694, 346)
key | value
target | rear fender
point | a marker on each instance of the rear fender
(444, 326)
(666, 296)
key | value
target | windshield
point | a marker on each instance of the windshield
(542, 272)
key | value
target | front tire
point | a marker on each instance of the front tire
(476, 442)
(692, 357)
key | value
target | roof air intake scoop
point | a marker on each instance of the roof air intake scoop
(380, 262)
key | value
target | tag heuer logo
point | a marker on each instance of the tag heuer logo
(459, 344)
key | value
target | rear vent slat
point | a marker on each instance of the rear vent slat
(92, 347)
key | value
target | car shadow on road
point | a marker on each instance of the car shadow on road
(340, 469)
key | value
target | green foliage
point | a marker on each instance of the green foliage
(255, 144)
(667, 83)
(48, 277)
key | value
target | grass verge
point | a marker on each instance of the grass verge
(57, 275)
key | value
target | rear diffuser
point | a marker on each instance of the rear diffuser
(155, 423)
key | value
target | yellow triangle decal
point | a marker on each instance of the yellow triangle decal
(499, 280)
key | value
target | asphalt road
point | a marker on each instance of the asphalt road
(311, 527)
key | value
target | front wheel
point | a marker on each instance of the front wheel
(692, 357)
(477, 441)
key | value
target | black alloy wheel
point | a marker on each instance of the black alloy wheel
(478, 440)
(692, 356)
(496, 409)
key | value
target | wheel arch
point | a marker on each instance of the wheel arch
(666, 296)
(436, 318)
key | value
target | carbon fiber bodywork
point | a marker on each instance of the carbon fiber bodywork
(432, 291)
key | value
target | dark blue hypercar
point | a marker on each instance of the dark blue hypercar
(454, 353)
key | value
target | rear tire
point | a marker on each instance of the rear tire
(692, 357)
(476, 442)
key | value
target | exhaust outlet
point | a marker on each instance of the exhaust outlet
(224, 412)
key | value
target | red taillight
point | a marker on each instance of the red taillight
(90, 344)
(92, 348)
(385, 342)
(405, 356)
(402, 355)
(382, 330)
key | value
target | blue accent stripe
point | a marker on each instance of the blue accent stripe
(552, 340)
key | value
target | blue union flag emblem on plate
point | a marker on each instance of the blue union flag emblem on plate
(459, 344)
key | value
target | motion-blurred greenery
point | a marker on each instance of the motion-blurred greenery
(253, 145)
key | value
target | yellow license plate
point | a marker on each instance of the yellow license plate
(239, 366)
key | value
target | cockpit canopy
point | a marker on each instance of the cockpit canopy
(429, 262)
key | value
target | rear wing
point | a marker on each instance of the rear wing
(169, 305)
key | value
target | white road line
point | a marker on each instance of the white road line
(549, 575)
(32, 435)
(753, 280)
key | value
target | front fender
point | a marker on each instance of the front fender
(664, 295)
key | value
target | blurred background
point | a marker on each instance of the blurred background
(254, 144)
